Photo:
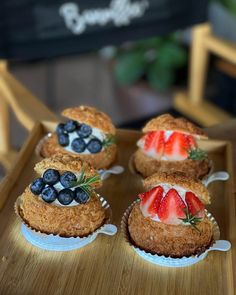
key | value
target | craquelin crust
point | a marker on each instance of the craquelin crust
(168, 122)
(92, 117)
(64, 163)
(147, 166)
(66, 221)
(100, 160)
(167, 239)
(181, 179)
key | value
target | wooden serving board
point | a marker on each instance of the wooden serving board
(109, 265)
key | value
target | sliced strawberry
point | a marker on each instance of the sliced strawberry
(195, 206)
(160, 143)
(149, 140)
(176, 147)
(150, 201)
(191, 142)
(172, 208)
(153, 143)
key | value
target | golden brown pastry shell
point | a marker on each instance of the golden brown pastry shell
(65, 221)
(62, 163)
(92, 117)
(168, 122)
(166, 239)
(147, 166)
(101, 160)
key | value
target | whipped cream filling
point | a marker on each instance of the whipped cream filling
(166, 187)
(95, 133)
(58, 186)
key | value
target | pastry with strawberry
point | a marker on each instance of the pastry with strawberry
(170, 218)
(171, 144)
(87, 134)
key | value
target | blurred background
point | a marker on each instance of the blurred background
(127, 58)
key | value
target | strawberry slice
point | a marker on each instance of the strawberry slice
(150, 201)
(153, 143)
(149, 140)
(176, 147)
(195, 206)
(172, 208)
(191, 142)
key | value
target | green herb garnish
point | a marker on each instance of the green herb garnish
(85, 183)
(197, 154)
(191, 219)
(109, 140)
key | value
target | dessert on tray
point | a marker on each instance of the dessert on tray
(62, 200)
(170, 144)
(170, 218)
(88, 134)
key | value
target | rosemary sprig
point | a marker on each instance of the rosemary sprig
(191, 219)
(85, 183)
(197, 154)
(109, 140)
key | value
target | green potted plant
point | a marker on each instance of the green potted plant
(154, 60)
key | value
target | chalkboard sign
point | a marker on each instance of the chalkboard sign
(47, 28)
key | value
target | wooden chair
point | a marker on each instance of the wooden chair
(27, 108)
(191, 102)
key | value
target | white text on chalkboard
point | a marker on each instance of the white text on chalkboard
(120, 12)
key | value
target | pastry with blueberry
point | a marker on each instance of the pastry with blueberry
(171, 144)
(88, 134)
(170, 218)
(62, 200)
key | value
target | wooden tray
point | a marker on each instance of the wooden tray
(109, 265)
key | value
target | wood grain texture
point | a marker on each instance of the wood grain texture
(109, 265)
(19, 163)
(205, 113)
(4, 126)
(27, 108)
(198, 63)
(193, 103)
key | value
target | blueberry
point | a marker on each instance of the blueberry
(68, 179)
(63, 139)
(60, 128)
(81, 196)
(37, 186)
(66, 196)
(78, 145)
(84, 131)
(94, 146)
(71, 126)
(49, 194)
(51, 176)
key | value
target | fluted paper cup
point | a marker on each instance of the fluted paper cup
(54, 242)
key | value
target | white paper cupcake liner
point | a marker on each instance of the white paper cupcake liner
(207, 179)
(104, 173)
(220, 245)
(53, 242)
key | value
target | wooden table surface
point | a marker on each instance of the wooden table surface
(108, 265)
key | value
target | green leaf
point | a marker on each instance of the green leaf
(85, 183)
(197, 154)
(159, 77)
(108, 141)
(191, 219)
(129, 67)
(172, 55)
